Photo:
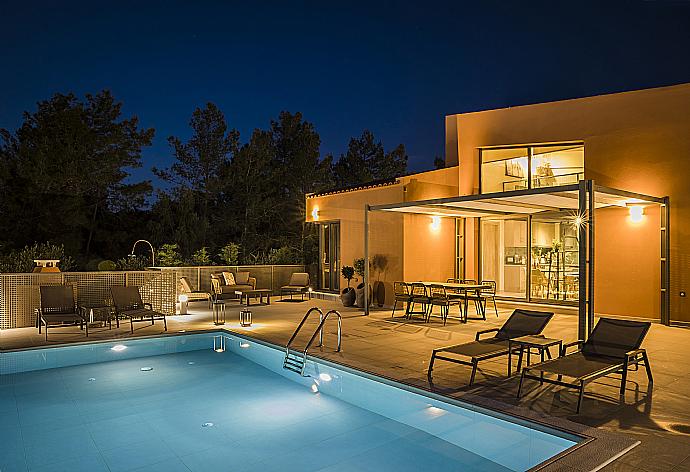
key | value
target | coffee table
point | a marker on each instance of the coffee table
(259, 293)
(539, 342)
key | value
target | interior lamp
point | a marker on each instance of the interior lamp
(636, 213)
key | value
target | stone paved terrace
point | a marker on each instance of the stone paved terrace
(400, 349)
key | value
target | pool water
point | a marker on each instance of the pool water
(194, 409)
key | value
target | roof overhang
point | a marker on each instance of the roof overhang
(519, 202)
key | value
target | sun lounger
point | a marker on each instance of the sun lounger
(59, 309)
(128, 304)
(520, 323)
(613, 347)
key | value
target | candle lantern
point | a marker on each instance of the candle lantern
(219, 312)
(245, 317)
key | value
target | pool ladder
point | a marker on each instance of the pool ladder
(297, 360)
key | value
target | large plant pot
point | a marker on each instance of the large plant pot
(348, 296)
(359, 291)
(379, 293)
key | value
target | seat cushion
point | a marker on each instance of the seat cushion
(231, 289)
(300, 279)
(242, 278)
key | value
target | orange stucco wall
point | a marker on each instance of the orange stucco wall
(637, 141)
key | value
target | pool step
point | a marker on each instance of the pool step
(294, 362)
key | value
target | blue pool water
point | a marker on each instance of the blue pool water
(92, 408)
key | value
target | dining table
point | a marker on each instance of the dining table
(464, 289)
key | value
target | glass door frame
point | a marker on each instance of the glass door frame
(333, 277)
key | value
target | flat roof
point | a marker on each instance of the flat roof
(518, 202)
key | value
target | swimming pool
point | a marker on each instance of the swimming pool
(173, 403)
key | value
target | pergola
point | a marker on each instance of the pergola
(580, 199)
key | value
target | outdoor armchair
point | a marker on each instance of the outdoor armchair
(128, 304)
(58, 308)
(520, 323)
(299, 283)
(192, 295)
(613, 347)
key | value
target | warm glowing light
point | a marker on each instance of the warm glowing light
(325, 377)
(315, 388)
(636, 213)
(436, 411)
(183, 298)
(118, 348)
(244, 345)
(435, 223)
(578, 221)
(219, 349)
(315, 213)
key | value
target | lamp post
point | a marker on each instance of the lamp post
(153, 253)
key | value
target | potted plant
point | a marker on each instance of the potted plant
(347, 296)
(379, 263)
(359, 291)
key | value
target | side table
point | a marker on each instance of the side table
(540, 343)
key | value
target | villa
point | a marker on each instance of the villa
(579, 203)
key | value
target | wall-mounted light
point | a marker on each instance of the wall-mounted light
(315, 213)
(636, 213)
(435, 223)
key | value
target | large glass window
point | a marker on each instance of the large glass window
(554, 261)
(517, 168)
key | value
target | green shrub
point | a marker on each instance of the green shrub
(22, 260)
(106, 265)
(230, 254)
(348, 273)
(201, 257)
(133, 263)
(359, 266)
(169, 256)
(283, 255)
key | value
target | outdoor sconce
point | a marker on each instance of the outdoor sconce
(435, 223)
(219, 343)
(315, 213)
(219, 312)
(245, 317)
(636, 213)
(184, 299)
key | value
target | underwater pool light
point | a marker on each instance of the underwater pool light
(118, 347)
(325, 377)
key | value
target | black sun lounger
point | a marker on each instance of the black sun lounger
(613, 347)
(128, 304)
(58, 308)
(520, 323)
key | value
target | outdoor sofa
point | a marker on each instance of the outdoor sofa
(58, 308)
(612, 348)
(225, 284)
(128, 304)
(520, 323)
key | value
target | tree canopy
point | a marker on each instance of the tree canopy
(65, 178)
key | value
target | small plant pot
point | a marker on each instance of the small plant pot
(348, 296)
(359, 291)
(380, 293)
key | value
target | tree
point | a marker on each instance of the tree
(68, 169)
(200, 160)
(366, 161)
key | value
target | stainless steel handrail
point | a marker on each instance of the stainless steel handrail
(299, 327)
(319, 331)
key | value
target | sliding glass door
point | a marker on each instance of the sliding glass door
(329, 261)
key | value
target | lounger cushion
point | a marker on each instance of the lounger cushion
(477, 348)
(575, 365)
(300, 279)
(184, 285)
(229, 278)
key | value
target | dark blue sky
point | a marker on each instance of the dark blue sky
(391, 67)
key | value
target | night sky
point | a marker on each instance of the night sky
(391, 67)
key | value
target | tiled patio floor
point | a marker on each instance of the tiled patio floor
(400, 350)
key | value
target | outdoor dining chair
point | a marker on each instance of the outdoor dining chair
(402, 295)
(439, 297)
(418, 296)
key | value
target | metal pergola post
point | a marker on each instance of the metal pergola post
(582, 331)
(590, 255)
(665, 219)
(366, 259)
